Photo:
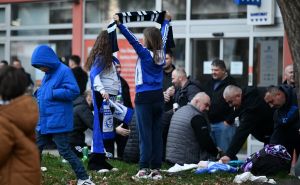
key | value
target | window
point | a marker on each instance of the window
(179, 52)
(2, 15)
(98, 11)
(41, 13)
(176, 7)
(23, 50)
(2, 49)
(204, 51)
(216, 9)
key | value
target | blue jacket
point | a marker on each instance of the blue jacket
(58, 89)
(148, 74)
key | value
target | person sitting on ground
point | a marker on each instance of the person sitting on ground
(122, 130)
(83, 119)
(19, 155)
(181, 93)
(255, 116)
(190, 125)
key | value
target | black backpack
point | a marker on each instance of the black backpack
(270, 160)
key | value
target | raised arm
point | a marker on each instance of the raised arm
(138, 47)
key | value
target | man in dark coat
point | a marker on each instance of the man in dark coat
(80, 75)
(286, 117)
(255, 116)
(219, 115)
(167, 83)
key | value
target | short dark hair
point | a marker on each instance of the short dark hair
(15, 59)
(76, 59)
(13, 83)
(169, 52)
(4, 62)
(272, 89)
(219, 63)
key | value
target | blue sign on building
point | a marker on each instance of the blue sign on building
(248, 2)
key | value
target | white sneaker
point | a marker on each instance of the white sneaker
(85, 182)
(43, 169)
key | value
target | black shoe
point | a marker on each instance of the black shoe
(97, 162)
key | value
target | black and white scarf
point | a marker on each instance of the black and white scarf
(139, 16)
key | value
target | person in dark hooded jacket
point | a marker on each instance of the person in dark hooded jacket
(286, 117)
(83, 120)
(255, 116)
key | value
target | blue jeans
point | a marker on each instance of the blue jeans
(150, 134)
(222, 134)
(62, 141)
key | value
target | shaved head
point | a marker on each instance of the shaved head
(201, 101)
(231, 90)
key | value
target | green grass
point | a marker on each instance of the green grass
(61, 173)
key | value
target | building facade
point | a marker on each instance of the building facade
(203, 30)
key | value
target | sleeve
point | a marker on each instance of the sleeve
(201, 131)
(87, 116)
(138, 47)
(68, 88)
(164, 33)
(289, 117)
(6, 143)
(98, 86)
(241, 134)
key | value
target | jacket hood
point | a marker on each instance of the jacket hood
(44, 56)
(22, 112)
(290, 94)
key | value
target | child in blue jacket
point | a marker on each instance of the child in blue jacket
(55, 95)
(149, 99)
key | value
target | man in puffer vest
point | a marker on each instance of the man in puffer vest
(189, 139)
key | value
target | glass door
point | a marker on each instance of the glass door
(204, 51)
(234, 52)
(2, 51)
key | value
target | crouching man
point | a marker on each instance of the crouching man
(189, 138)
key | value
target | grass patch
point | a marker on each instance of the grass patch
(61, 173)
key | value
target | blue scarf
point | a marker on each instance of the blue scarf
(97, 146)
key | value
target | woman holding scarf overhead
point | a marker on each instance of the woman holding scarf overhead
(149, 100)
(105, 85)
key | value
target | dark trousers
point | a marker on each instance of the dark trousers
(166, 120)
(62, 142)
(150, 134)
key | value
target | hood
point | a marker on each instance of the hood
(290, 94)
(22, 112)
(44, 56)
